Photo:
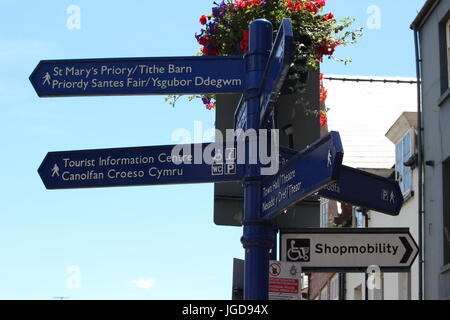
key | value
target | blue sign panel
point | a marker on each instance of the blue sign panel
(305, 173)
(240, 116)
(139, 76)
(366, 190)
(277, 69)
(176, 164)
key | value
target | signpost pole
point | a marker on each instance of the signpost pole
(258, 235)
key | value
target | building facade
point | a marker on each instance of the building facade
(362, 122)
(393, 286)
(432, 33)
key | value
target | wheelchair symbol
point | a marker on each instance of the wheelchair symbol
(299, 250)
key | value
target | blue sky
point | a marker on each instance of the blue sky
(140, 242)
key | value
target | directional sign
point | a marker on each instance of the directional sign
(141, 166)
(138, 76)
(277, 69)
(360, 188)
(240, 116)
(309, 171)
(350, 250)
(366, 190)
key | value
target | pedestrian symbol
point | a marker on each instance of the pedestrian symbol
(392, 200)
(55, 171)
(330, 158)
(47, 79)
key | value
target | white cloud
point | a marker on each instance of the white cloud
(143, 283)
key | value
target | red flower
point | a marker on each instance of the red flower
(203, 19)
(244, 43)
(323, 119)
(244, 4)
(210, 51)
(323, 94)
(311, 6)
(320, 3)
(203, 41)
(327, 47)
(329, 16)
(245, 35)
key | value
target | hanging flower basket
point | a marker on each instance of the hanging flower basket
(317, 34)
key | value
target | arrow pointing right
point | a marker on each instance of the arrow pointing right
(409, 250)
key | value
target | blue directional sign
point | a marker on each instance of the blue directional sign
(366, 190)
(277, 69)
(139, 76)
(307, 172)
(176, 164)
(240, 116)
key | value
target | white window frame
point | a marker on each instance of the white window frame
(400, 172)
(357, 213)
(324, 293)
(324, 213)
(334, 287)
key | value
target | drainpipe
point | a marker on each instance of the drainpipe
(366, 276)
(342, 286)
(420, 160)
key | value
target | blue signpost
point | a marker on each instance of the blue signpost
(258, 235)
(197, 163)
(259, 75)
(139, 76)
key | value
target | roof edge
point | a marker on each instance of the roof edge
(423, 14)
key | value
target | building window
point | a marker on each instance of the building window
(404, 150)
(324, 293)
(447, 31)
(444, 44)
(324, 213)
(445, 198)
(334, 288)
(359, 218)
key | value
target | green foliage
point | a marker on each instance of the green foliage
(316, 34)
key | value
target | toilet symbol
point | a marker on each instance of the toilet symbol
(55, 170)
(293, 271)
(47, 79)
(218, 157)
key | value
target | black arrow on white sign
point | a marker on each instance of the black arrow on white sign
(409, 250)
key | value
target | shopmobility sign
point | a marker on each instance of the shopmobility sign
(350, 250)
